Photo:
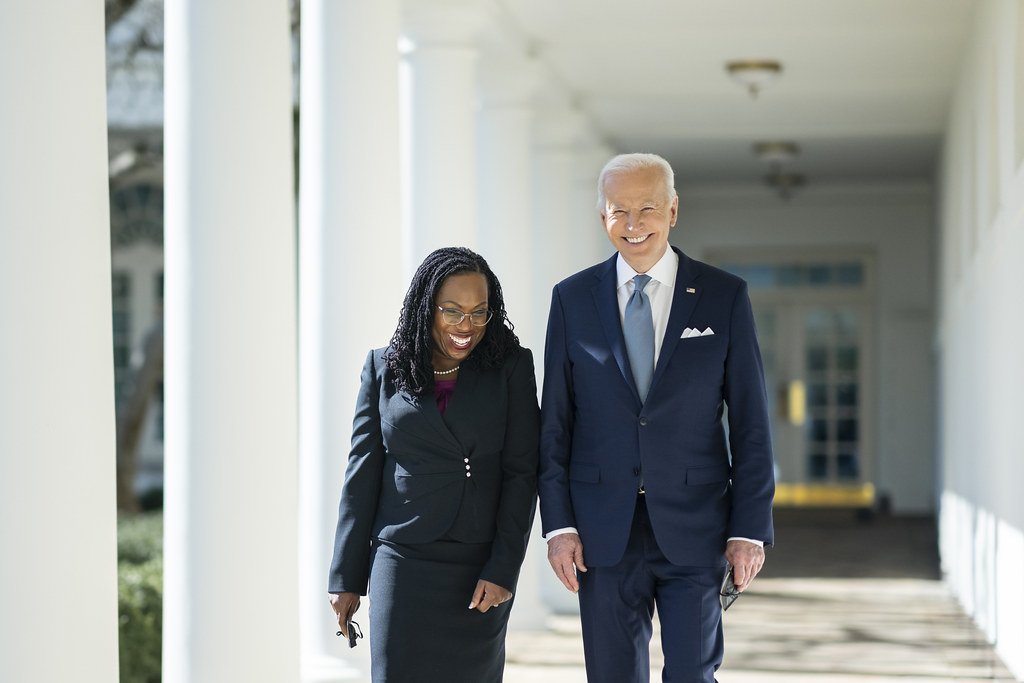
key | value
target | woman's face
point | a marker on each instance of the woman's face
(465, 293)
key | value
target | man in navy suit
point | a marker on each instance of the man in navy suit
(646, 497)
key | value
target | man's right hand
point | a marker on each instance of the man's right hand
(344, 606)
(565, 553)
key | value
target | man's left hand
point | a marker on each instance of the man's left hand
(746, 559)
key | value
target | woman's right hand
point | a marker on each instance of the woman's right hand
(344, 606)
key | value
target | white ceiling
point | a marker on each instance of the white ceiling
(865, 89)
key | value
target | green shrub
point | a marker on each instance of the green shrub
(140, 596)
(139, 538)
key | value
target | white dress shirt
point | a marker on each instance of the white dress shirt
(659, 291)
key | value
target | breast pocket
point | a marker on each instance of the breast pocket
(701, 354)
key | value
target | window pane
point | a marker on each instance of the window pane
(847, 466)
(791, 276)
(819, 322)
(846, 358)
(819, 275)
(817, 395)
(817, 466)
(846, 394)
(120, 286)
(847, 324)
(817, 359)
(850, 274)
(846, 430)
(770, 275)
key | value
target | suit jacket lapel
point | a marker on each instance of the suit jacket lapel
(428, 419)
(608, 313)
(683, 303)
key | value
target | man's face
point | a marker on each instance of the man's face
(638, 215)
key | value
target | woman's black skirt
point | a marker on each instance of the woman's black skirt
(421, 627)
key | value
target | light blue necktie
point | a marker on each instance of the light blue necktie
(638, 328)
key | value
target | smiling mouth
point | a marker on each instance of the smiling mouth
(637, 240)
(460, 343)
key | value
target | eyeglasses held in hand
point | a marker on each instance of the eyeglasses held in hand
(354, 633)
(729, 593)
(453, 316)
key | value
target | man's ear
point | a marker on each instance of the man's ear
(674, 212)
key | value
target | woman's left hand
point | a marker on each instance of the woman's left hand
(488, 595)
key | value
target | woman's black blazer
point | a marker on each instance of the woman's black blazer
(414, 475)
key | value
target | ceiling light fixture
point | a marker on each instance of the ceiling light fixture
(776, 153)
(754, 74)
(785, 183)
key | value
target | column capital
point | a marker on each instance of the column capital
(442, 23)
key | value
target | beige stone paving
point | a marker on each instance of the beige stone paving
(841, 600)
(804, 630)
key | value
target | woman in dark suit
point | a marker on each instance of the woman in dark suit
(441, 486)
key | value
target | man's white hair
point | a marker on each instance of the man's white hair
(624, 163)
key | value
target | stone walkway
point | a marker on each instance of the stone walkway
(840, 601)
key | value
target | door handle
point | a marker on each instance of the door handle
(796, 402)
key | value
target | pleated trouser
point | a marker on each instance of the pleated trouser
(421, 630)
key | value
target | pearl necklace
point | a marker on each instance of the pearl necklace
(446, 372)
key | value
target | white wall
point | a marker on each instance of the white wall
(981, 328)
(894, 222)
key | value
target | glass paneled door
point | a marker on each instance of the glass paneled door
(815, 360)
(814, 321)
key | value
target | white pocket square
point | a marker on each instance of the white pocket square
(695, 332)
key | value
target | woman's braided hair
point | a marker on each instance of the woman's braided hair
(410, 354)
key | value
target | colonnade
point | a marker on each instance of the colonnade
(401, 151)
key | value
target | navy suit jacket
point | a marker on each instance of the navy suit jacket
(407, 480)
(597, 438)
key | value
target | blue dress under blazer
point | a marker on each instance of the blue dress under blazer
(431, 504)
(703, 483)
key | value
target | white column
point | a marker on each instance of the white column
(590, 234)
(506, 241)
(556, 215)
(505, 169)
(556, 226)
(350, 294)
(58, 575)
(556, 211)
(440, 99)
(230, 568)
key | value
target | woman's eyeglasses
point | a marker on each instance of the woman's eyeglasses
(453, 316)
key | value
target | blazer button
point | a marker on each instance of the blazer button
(467, 467)
(468, 474)
(643, 421)
(636, 471)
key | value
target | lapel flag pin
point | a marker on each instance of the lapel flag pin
(691, 290)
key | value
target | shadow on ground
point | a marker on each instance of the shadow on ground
(841, 600)
(842, 544)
